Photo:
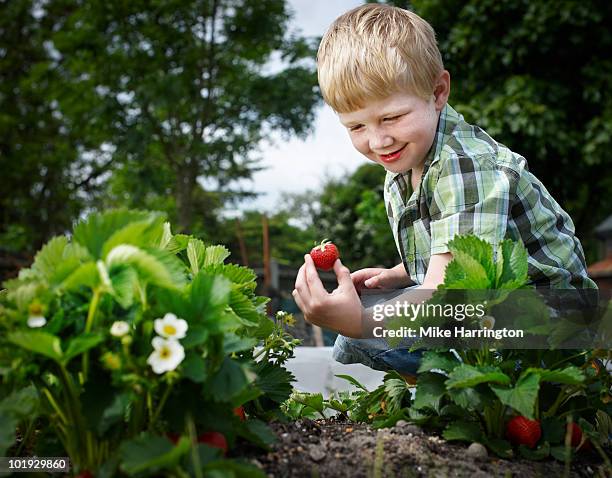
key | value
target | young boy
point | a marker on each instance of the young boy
(381, 71)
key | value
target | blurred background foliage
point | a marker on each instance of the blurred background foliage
(163, 104)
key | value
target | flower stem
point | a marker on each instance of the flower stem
(91, 315)
(161, 404)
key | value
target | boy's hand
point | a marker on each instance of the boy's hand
(340, 310)
(380, 278)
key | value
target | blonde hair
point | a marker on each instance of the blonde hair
(373, 51)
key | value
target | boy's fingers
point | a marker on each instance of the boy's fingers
(299, 301)
(343, 275)
(312, 277)
(301, 285)
(373, 281)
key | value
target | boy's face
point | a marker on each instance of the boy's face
(396, 132)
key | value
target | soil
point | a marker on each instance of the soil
(335, 448)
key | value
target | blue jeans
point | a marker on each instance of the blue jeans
(376, 353)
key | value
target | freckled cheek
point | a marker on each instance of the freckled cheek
(361, 145)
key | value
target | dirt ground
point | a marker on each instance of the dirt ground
(333, 448)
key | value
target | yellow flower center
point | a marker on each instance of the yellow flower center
(165, 353)
(169, 329)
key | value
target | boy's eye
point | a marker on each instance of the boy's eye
(391, 118)
(357, 127)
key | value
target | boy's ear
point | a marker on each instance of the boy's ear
(442, 90)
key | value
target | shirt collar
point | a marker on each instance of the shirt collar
(447, 121)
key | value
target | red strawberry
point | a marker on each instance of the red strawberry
(324, 255)
(577, 438)
(239, 412)
(522, 431)
(576, 435)
(214, 439)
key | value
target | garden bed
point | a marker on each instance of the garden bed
(337, 448)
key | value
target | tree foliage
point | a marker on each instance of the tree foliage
(173, 96)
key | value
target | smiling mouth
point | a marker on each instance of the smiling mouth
(387, 158)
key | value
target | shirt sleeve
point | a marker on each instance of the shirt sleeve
(472, 196)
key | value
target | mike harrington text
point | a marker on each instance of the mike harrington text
(437, 332)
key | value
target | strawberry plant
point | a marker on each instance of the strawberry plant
(130, 349)
(504, 397)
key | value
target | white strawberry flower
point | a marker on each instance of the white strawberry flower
(487, 322)
(166, 356)
(170, 327)
(35, 321)
(119, 328)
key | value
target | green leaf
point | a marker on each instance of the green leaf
(470, 398)
(215, 255)
(50, 257)
(38, 342)
(352, 380)
(396, 389)
(124, 282)
(468, 273)
(257, 432)
(86, 275)
(194, 368)
(522, 396)
(81, 344)
(21, 404)
(312, 400)
(232, 343)
(196, 335)
(244, 309)
(8, 426)
(429, 391)
(154, 267)
(151, 453)
(570, 375)
(94, 231)
(229, 380)
(274, 381)
(468, 376)
(145, 234)
(501, 448)
(237, 274)
(463, 431)
(539, 453)
(512, 265)
(208, 293)
(196, 251)
(435, 360)
(480, 250)
(115, 412)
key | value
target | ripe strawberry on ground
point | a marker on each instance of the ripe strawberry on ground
(324, 255)
(577, 438)
(522, 431)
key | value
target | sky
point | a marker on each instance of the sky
(298, 165)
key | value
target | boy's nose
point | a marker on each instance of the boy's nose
(379, 142)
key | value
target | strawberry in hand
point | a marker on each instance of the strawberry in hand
(324, 255)
(522, 431)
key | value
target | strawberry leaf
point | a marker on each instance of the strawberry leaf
(469, 376)
(522, 396)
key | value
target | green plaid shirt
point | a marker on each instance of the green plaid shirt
(473, 184)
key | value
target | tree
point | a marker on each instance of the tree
(173, 97)
(537, 76)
